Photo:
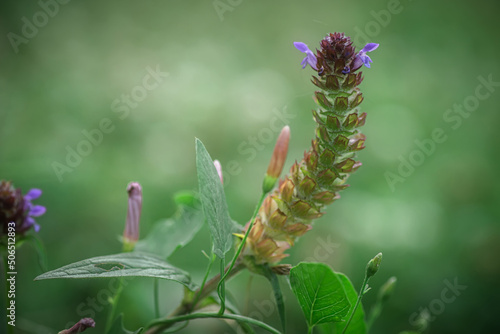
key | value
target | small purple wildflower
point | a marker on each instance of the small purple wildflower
(364, 57)
(131, 232)
(32, 210)
(18, 209)
(310, 58)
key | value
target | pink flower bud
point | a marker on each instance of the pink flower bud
(277, 160)
(131, 232)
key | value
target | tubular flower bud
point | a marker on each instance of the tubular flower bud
(131, 232)
(277, 160)
(315, 182)
(373, 265)
(218, 167)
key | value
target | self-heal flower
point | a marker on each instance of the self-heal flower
(364, 57)
(131, 232)
(310, 58)
(18, 209)
(80, 326)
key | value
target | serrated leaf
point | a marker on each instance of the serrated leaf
(320, 293)
(117, 327)
(121, 265)
(168, 235)
(213, 201)
(357, 325)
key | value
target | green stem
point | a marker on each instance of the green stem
(243, 241)
(215, 315)
(114, 303)
(156, 292)
(197, 296)
(188, 305)
(360, 295)
(221, 287)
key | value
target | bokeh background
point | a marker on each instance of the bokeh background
(231, 68)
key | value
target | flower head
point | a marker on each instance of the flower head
(131, 232)
(19, 209)
(364, 57)
(310, 58)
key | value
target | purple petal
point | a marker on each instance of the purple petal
(304, 62)
(366, 60)
(29, 221)
(37, 210)
(311, 59)
(370, 47)
(33, 194)
(36, 227)
(302, 47)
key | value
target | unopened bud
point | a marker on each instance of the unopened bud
(277, 160)
(131, 232)
(387, 289)
(373, 265)
(80, 326)
(218, 167)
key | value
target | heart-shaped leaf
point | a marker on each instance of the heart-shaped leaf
(320, 293)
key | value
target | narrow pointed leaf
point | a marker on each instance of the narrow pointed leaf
(320, 293)
(121, 265)
(213, 201)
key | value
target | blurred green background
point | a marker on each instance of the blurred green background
(231, 67)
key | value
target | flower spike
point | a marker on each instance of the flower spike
(315, 182)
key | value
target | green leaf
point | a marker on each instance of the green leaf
(117, 327)
(320, 293)
(168, 235)
(357, 325)
(213, 201)
(121, 265)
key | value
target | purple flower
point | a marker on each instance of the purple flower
(310, 58)
(364, 57)
(32, 210)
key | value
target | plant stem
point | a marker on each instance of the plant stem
(216, 315)
(114, 303)
(360, 295)
(190, 305)
(374, 314)
(156, 291)
(197, 295)
(243, 241)
(221, 287)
